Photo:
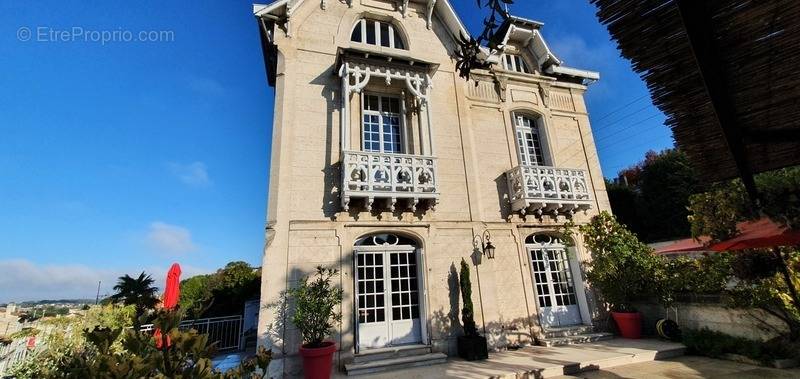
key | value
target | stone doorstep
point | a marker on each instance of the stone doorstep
(575, 339)
(568, 331)
(395, 363)
(391, 352)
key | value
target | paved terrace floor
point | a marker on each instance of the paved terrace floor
(688, 367)
(618, 358)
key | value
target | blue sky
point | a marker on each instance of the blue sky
(129, 155)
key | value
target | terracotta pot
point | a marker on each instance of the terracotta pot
(317, 360)
(629, 324)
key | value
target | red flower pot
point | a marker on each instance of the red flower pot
(629, 324)
(317, 360)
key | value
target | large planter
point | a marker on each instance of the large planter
(317, 360)
(472, 348)
(629, 324)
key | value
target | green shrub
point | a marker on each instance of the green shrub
(714, 344)
(102, 352)
(468, 312)
(623, 268)
(315, 307)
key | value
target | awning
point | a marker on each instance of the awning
(760, 234)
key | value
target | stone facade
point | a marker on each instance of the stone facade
(472, 136)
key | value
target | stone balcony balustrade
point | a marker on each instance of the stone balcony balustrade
(552, 190)
(388, 178)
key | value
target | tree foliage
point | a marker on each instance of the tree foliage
(468, 311)
(315, 312)
(651, 196)
(196, 294)
(138, 292)
(220, 293)
(707, 275)
(716, 212)
(622, 267)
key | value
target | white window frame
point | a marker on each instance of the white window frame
(380, 113)
(515, 62)
(524, 134)
(362, 23)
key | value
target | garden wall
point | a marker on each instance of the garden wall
(753, 324)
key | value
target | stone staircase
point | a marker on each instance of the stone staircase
(393, 358)
(571, 335)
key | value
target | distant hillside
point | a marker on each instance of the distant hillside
(61, 301)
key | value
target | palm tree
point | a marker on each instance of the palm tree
(138, 292)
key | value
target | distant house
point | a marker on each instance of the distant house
(389, 167)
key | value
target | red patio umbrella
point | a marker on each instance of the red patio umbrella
(759, 234)
(172, 292)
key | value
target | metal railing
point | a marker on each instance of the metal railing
(225, 331)
(390, 176)
(544, 188)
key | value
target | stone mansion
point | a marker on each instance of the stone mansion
(389, 167)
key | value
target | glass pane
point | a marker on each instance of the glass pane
(385, 41)
(398, 42)
(521, 66)
(356, 36)
(370, 32)
(372, 103)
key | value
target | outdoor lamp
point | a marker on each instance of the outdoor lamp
(485, 243)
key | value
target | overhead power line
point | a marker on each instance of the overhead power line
(603, 117)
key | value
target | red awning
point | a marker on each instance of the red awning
(763, 233)
(760, 234)
(681, 246)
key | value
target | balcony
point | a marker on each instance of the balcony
(389, 178)
(541, 189)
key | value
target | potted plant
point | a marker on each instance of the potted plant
(471, 346)
(622, 269)
(315, 316)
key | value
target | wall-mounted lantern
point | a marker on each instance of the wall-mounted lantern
(484, 243)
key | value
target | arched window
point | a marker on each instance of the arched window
(529, 140)
(378, 33)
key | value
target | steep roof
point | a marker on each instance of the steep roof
(513, 27)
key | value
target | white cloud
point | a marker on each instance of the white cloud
(205, 86)
(575, 52)
(193, 174)
(169, 238)
(23, 280)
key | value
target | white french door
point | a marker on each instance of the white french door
(381, 124)
(529, 142)
(555, 288)
(387, 298)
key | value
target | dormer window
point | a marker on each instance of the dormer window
(378, 33)
(513, 62)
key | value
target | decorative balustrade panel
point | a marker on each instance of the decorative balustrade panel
(560, 189)
(382, 175)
